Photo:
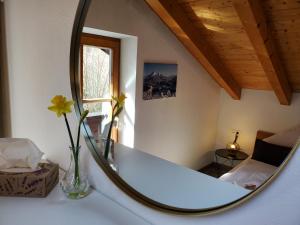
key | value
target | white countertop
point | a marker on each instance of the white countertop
(56, 209)
(172, 184)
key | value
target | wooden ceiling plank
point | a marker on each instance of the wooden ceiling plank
(195, 41)
(260, 35)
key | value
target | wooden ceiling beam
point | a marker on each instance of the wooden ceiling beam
(195, 41)
(254, 21)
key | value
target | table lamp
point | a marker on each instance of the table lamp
(234, 145)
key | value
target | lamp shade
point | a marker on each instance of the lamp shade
(234, 145)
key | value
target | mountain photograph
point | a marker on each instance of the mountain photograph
(160, 81)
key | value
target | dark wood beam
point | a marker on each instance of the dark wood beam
(254, 21)
(195, 41)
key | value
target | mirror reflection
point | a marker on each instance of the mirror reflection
(177, 138)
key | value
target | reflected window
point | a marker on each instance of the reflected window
(96, 73)
(100, 62)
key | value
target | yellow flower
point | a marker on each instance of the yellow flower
(120, 100)
(60, 105)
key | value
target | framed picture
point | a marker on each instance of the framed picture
(160, 80)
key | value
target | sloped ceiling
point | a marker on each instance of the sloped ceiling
(253, 44)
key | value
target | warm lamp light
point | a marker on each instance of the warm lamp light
(234, 145)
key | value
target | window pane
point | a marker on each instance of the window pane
(98, 108)
(96, 72)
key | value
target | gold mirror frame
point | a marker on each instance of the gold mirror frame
(80, 17)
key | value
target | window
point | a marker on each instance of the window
(100, 66)
(100, 62)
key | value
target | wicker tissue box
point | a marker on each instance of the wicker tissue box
(29, 184)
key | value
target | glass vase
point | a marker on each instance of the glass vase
(110, 157)
(74, 182)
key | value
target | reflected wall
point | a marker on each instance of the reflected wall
(257, 110)
(167, 128)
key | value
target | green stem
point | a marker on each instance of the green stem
(82, 117)
(106, 152)
(78, 137)
(114, 108)
(70, 134)
(76, 168)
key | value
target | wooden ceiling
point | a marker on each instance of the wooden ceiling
(253, 44)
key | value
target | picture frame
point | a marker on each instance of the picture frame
(159, 80)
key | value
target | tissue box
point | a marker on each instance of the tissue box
(29, 184)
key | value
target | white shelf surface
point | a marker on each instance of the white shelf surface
(172, 184)
(56, 209)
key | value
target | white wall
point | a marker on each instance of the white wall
(128, 86)
(39, 35)
(258, 110)
(38, 43)
(181, 129)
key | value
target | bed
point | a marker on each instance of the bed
(254, 171)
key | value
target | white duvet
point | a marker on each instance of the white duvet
(249, 174)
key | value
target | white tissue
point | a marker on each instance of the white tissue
(19, 153)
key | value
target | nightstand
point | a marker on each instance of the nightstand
(232, 155)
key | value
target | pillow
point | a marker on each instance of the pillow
(286, 138)
(270, 153)
(19, 153)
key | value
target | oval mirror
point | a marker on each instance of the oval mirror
(177, 143)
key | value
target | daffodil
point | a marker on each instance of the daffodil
(117, 109)
(120, 100)
(60, 105)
